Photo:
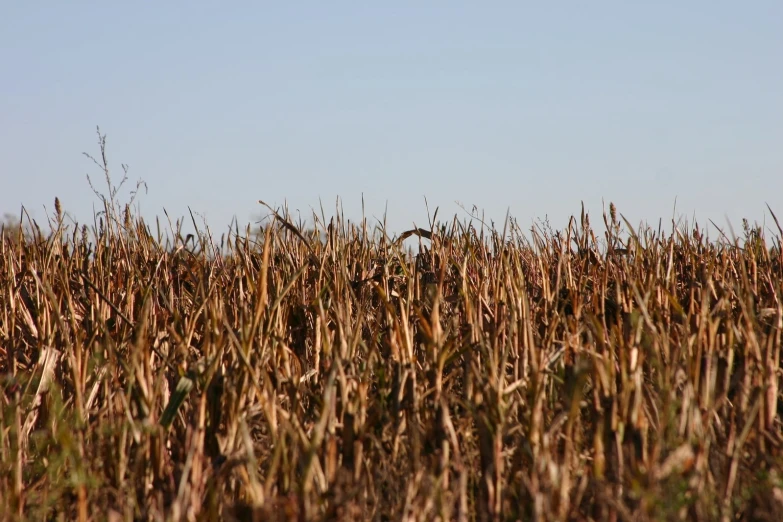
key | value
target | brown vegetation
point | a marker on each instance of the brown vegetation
(481, 377)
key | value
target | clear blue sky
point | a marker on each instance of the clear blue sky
(526, 106)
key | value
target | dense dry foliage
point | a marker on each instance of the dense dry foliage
(335, 375)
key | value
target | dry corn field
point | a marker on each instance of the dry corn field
(455, 372)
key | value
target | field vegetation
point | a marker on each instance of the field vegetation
(454, 372)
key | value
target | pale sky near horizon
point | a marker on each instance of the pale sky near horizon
(521, 106)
